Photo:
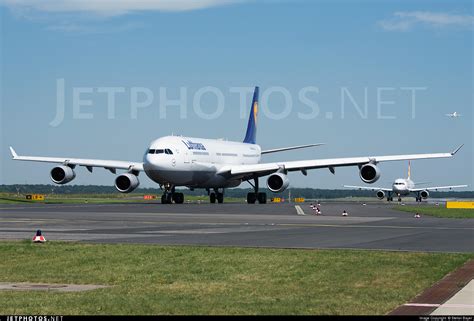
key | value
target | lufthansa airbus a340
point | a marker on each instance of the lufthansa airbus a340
(214, 165)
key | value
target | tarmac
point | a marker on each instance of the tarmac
(375, 226)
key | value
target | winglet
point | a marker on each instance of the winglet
(457, 149)
(14, 154)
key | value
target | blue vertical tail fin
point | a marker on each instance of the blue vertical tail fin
(251, 135)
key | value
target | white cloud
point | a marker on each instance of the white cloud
(91, 16)
(404, 21)
(111, 7)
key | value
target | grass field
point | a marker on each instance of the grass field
(73, 200)
(9, 198)
(438, 211)
(6, 198)
(149, 279)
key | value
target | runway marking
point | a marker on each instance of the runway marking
(379, 226)
(105, 216)
(299, 210)
(255, 224)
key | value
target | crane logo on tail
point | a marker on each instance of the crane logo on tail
(251, 134)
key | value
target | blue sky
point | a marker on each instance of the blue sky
(368, 46)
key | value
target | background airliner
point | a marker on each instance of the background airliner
(454, 115)
(404, 186)
(214, 165)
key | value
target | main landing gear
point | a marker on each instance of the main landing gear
(216, 196)
(256, 196)
(389, 197)
(418, 197)
(170, 196)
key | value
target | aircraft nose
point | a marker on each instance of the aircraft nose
(148, 158)
(154, 162)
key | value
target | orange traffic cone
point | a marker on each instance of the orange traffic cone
(38, 237)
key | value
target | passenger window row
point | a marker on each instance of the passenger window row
(160, 151)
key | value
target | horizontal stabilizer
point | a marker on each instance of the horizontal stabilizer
(368, 188)
(289, 148)
(423, 183)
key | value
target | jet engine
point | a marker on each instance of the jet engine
(126, 183)
(380, 195)
(424, 194)
(277, 182)
(369, 173)
(62, 174)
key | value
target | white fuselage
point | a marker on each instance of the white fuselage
(194, 162)
(402, 186)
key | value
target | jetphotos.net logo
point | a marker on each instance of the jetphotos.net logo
(210, 103)
(33, 318)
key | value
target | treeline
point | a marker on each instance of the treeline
(309, 193)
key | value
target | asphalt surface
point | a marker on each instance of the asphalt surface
(371, 226)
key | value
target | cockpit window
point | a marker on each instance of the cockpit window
(160, 151)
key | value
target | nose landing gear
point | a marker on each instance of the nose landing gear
(170, 195)
(216, 196)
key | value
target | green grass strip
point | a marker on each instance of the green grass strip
(438, 211)
(151, 279)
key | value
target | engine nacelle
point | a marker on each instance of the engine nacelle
(277, 182)
(369, 173)
(62, 174)
(424, 194)
(380, 195)
(126, 183)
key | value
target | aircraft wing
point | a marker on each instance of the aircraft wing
(422, 183)
(436, 188)
(369, 188)
(111, 165)
(263, 169)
